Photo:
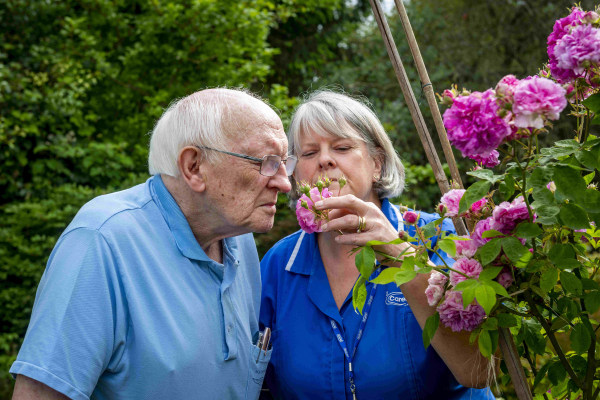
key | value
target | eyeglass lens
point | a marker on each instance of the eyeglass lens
(270, 165)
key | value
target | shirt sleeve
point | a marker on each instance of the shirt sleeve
(78, 317)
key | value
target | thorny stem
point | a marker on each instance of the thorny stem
(559, 351)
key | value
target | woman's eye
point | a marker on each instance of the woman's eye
(343, 148)
(307, 153)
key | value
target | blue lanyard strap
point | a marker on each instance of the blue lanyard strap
(342, 342)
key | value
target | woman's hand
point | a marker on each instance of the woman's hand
(345, 216)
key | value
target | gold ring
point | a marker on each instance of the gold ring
(362, 222)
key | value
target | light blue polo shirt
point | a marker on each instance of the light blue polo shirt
(130, 307)
(307, 360)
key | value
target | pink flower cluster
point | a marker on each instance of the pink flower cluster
(573, 45)
(456, 317)
(473, 124)
(309, 219)
(479, 122)
(449, 203)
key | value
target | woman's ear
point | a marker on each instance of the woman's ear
(378, 160)
(192, 163)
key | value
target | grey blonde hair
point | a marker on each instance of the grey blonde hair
(325, 112)
(197, 119)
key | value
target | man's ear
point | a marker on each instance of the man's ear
(191, 163)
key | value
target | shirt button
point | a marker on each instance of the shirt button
(229, 328)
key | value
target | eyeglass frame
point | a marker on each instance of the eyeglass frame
(256, 159)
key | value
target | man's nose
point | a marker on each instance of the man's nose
(280, 180)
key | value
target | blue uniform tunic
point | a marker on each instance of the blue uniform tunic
(130, 307)
(307, 360)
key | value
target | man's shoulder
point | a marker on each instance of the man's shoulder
(98, 211)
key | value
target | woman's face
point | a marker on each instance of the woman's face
(334, 156)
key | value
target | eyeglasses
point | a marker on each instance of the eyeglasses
(269, 165)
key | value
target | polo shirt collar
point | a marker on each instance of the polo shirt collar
(306, 244)
(178, 224)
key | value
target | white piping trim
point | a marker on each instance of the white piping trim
(295, 252)
(400, 219)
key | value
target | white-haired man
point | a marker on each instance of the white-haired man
(153, 292)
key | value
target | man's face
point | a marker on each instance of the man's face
(242, 198)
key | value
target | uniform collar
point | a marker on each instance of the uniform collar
(179, 226)
(306, 244)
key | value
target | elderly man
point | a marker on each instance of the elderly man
(153, 292)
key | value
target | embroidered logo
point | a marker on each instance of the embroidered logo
(395, 299)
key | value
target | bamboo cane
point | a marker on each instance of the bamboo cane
(506, 342)
(413, 107)
(429, 93)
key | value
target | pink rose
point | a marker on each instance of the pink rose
(437, 278)
(468, 266)
(573, 50)
(481, 227)
(561, 28)
(473, 124)
(309, 220)
(487, 160)
(450, 203)
(434, 293)
(506, 88)
(410, 217)
(537, 99)
(457, 318)
(466, 248)
(505, 277)
(507, 215)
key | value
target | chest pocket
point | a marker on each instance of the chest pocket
(256, 371)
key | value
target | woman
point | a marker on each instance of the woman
(308, 278)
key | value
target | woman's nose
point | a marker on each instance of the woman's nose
(326, 160)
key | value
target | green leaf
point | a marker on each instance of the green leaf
(431, 326)
(474, 193)
(593, 103)
(569, 182)
(591, 201)
(386, 276)
(402, 277)
(590, 159)
(498, 288)
(489, 273)
(592, 301)
(486, 175)
(546, 214)
(429, 230)
(571, 283)
(589, 177)
(485, 343)
(557, 373)
(534, 338)
(580, 339)
(365, 261)
(506, 320)
(548, 279)
(408, 264)
(465, 284)
(540, 177)
(562, 255)
(542, 197)
(486, 297)
(489, 251)
(468, 295)
(490, 324)
(359, 294)
(574, 216)
(540, 375)
(527, 230)
(515, 251)
(492, 233)
(507, 187)
(447, 246)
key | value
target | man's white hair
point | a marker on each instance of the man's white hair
(197, 119)
(326, 112)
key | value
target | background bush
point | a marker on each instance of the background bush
(83, 82)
